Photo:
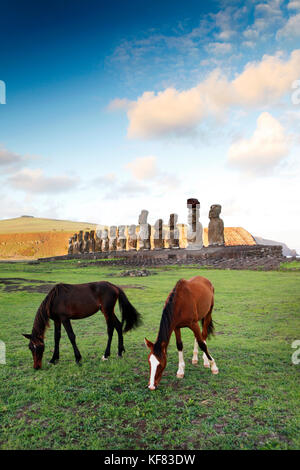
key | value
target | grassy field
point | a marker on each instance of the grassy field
(252, 404)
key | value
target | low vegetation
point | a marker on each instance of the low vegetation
(252, 404)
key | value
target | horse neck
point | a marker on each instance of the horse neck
(39, 325)
(166, 326)
(163, 339)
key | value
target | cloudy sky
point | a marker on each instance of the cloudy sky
(108, 108)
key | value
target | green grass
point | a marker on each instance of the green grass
(252, 404)
(290, 265)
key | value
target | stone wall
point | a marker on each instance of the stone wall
(237, 257)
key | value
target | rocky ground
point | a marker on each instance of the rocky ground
(252, 263)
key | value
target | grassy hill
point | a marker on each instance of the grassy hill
(32, 237)
(26, 224)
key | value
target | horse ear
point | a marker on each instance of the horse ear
(27, 336)
(148, 343)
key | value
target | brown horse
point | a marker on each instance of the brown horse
(188, 303)
(67, 302)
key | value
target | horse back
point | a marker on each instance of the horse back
(195, 294)
(82, 300)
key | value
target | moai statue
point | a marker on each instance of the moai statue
(71, 246)
(80, 241)
(113, 238)
(215, 226)
(145, 231)
(105, 241)
(75, 244)
(173, 234)
(132, 237)
(92, 241)
(98, 240)
(159, 235)
(86, 242)
(195, 229)
(121, 244)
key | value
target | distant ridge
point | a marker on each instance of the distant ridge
(30, 224)
(286, 251)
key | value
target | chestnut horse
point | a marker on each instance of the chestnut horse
(67, 302)
(188, 303)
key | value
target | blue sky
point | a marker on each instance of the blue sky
(112, 107)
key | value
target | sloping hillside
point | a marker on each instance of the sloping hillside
(30, 237)
(26, 224)
(286, 251)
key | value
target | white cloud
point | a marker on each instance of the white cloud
(267, 147)
(174, 112)
(291, 29)
(143, 168)
(269, 8)
(34, 181)
(119, 104)
(109, 178)
(218, 48)
(294, 5)
(265, 82)
(8, 158)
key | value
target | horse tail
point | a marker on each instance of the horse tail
(210, 327)
(130, 316)
(207, 322)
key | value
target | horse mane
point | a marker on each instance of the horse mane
(42, 317)
(166, 319)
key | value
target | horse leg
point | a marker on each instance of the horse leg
(181, 364)
(118, 327)
(72, 338)
(205, 360)
(202, 345)
(57, 335)
(206, 322)
(195, 353)
(110, 332)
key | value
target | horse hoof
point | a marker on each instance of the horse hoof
(207, 366)
(180, 376)
(53, 362)
(215, 371)
(103, 358)
(194, 362)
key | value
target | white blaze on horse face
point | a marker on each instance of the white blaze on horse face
(153, 368)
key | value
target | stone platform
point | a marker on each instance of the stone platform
(241, 256)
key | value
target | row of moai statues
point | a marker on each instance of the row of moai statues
(115, 238)
(195, 228)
